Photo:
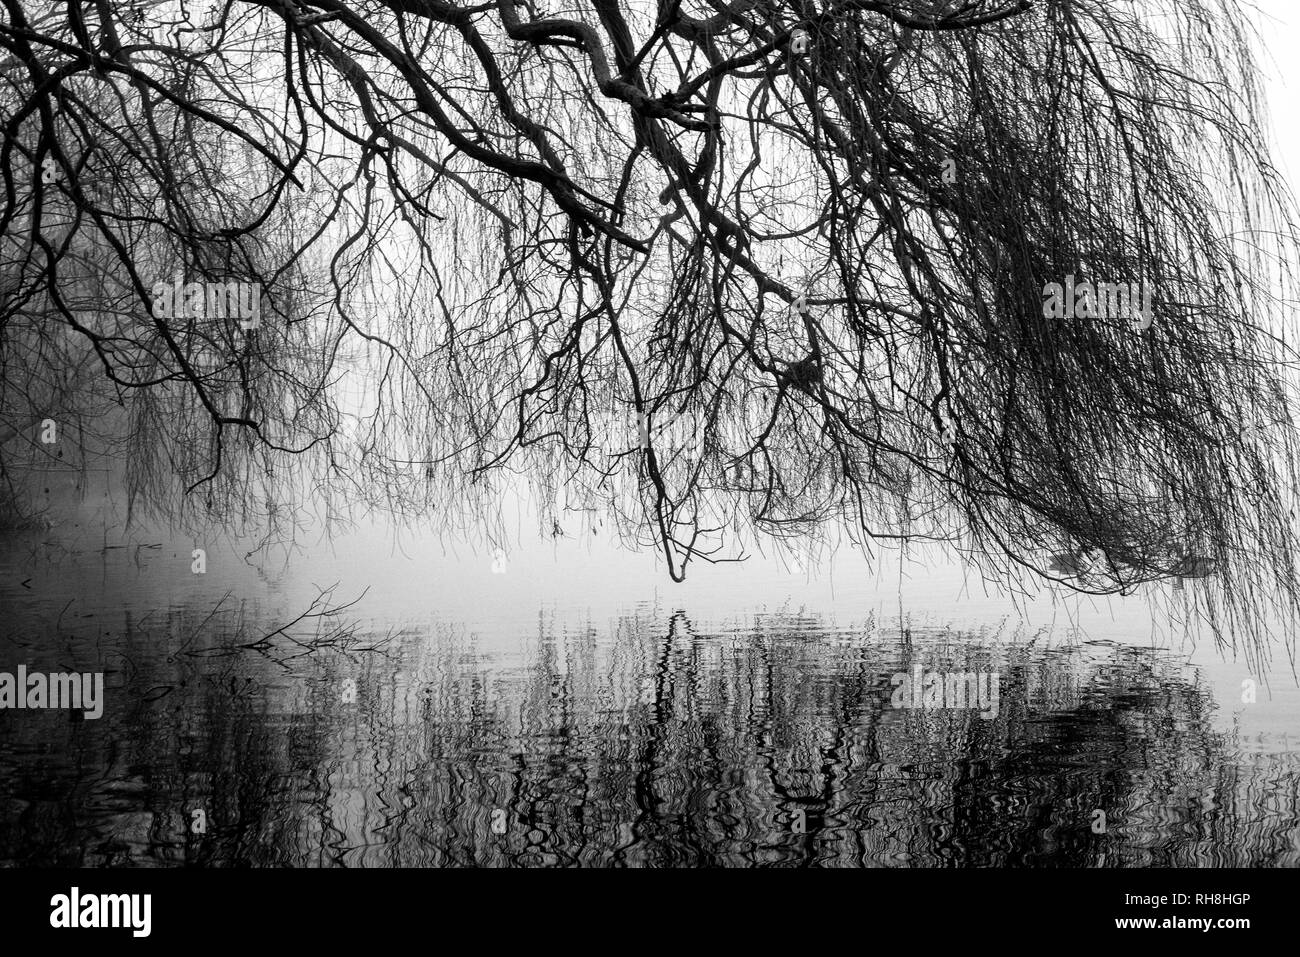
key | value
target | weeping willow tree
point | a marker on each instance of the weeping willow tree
(726, 272)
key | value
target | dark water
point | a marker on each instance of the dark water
(699, 731)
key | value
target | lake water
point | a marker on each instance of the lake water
(569, 705)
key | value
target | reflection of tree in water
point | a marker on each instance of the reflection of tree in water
(658, 746)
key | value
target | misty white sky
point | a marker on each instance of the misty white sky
(1280, 28)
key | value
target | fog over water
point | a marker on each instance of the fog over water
(572, 705)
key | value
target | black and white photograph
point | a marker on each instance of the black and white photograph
(673, 435)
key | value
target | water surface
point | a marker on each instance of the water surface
(570, 706)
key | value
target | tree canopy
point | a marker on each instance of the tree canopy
(721, 270)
